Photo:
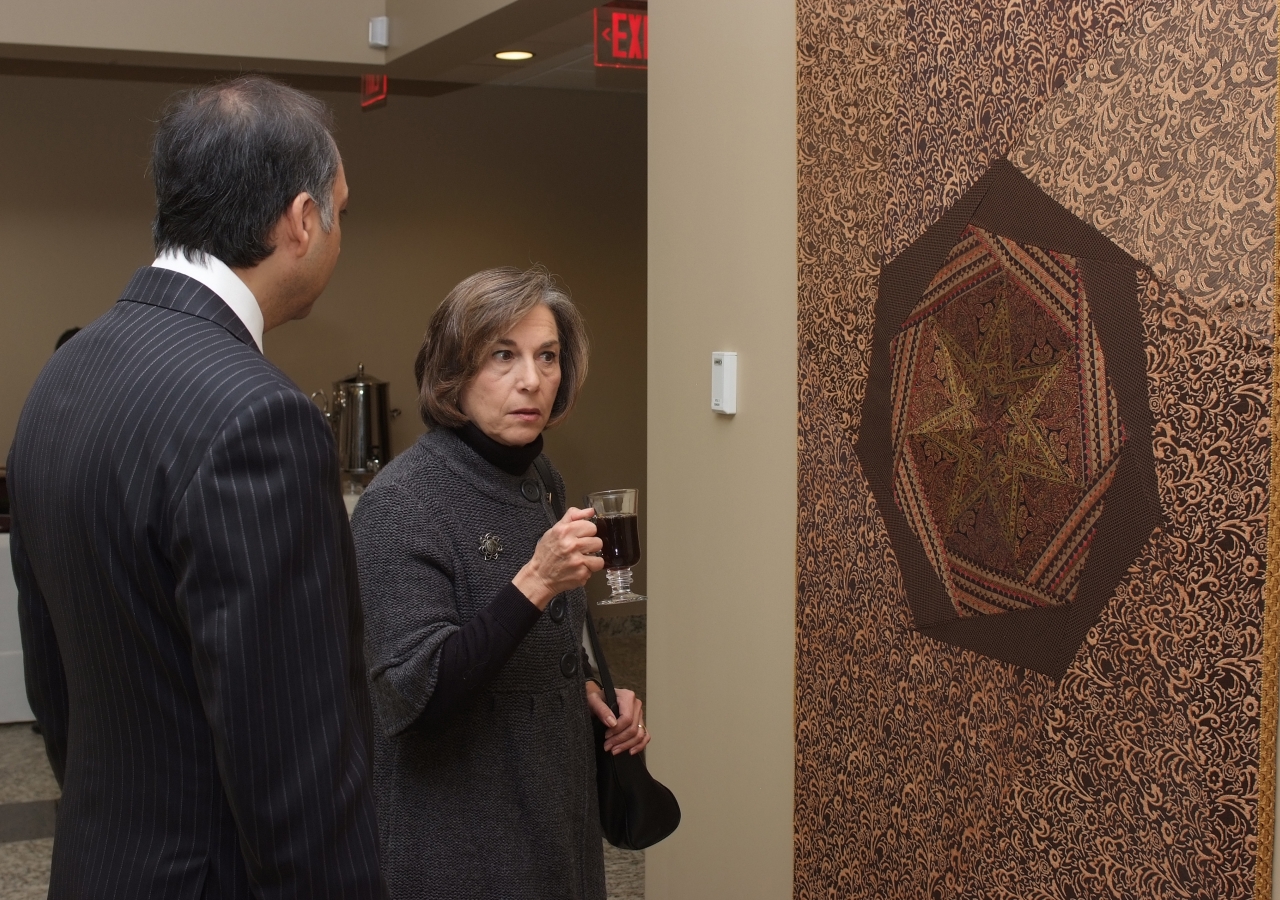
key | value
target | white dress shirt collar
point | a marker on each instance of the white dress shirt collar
(217, 276)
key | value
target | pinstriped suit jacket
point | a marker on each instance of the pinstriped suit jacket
(190, 613)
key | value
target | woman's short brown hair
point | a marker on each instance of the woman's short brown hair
(479, 311)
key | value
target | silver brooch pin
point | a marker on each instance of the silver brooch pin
(490, 546)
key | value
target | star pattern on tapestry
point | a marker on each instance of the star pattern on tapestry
(1007, 431)
(989, 427)
(999, 468)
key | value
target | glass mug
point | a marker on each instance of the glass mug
(618, 526)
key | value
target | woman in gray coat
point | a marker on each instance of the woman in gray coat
(484, 769)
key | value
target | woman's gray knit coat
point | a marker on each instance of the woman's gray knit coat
(498, 800)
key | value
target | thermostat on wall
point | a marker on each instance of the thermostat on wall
(724, 383)
(379, 32)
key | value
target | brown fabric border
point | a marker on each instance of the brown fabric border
(1043, 640)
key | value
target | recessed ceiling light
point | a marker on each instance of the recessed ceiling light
(513, 55)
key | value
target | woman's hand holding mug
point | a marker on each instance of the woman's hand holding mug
(566, 556)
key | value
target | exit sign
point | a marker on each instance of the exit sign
(622, 35)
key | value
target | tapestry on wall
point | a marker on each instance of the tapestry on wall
(1006, 432)
(1035, 449)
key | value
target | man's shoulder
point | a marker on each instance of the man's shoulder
(157, 375)
(166, 355)
(151, 392)
(155, 329)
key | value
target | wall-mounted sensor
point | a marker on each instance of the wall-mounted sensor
(724, 383)
(379, 32)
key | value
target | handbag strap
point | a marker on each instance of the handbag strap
(557, 506)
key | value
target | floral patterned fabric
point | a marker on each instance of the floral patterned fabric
(928, 770)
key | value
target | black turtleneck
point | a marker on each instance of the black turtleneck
(512, 460)
(472, 656)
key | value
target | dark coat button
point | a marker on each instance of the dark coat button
(569, 664)
(556, 610)
(532, 492)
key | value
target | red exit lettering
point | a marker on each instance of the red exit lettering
(622, 36)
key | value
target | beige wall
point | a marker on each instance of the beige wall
(414, 23)
(328, 30)
(722, 276)
(440, 188)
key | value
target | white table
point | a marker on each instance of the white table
(13, 687)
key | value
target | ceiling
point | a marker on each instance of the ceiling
(436, 45)
(563, 58)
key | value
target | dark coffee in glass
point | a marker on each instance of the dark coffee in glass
(619, 528)
(621, 536)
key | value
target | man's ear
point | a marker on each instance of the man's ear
(292, 231)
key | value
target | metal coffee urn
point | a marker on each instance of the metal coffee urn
(361, 418)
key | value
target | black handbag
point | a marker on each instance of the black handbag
(636, 810)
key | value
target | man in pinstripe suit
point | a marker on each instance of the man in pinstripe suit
(187, 585)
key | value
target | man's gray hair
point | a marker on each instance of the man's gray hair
(229, 159)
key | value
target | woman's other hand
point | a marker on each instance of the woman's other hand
(563, 560)
(627, 731)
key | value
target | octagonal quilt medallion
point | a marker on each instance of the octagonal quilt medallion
(1006, 434)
